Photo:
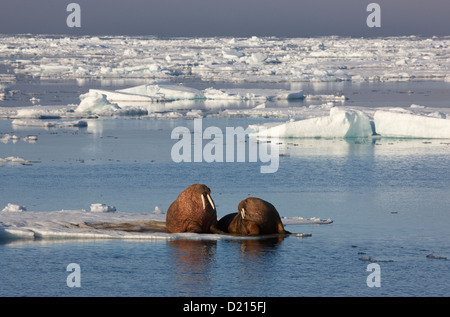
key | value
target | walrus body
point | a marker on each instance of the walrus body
(225, 221)
(255, 217)
(193, 211)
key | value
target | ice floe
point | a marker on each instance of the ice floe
(102, 208)
(6, 138)
(109, 100)
(17, 223)
(339, 124)
(94, 103)
(406, 125)
(49, 124)
(15, 160)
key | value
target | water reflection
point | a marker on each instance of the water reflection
(374, 146)
(195, 266)
(192, 264)
(255, 248)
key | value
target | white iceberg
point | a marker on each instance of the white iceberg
(397, 124)
(14, 208)
(95, 103)
(339, 124)
(102, 208)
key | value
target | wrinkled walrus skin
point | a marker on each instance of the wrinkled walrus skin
(255, 217)
(193, 211)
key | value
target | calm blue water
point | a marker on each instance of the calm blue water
(389, 200)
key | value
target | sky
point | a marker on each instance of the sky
(233, 18)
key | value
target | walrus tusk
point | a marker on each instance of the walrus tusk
(211, 201)
(203, 201)
(243, 213)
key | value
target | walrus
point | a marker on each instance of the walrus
(193, 211)
(255, 217)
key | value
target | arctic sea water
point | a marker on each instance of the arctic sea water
(388, 199)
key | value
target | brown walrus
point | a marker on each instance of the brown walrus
(255, 217)
(193, 211)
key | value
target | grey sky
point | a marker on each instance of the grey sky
(291, 18)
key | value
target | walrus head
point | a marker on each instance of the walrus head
(205, 195)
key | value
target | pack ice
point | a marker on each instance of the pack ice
(244, 59)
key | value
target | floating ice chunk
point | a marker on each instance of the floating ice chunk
(252, 94)
(35, 100)
(30, 138)
(13, 159)
(194, 114)
(102, 208)
(124, 96)
(6, 138)
(72, 224)
(339, 124)
(48, 124)
(157, 211)
(325, 97)
(176, 92)
(405, 125)
(14, 208)
(95, 103)
(301, 220)
(164, 92)
(34, 113)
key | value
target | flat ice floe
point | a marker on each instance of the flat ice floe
(145, 99)
(14, 160)
(406, 125)
(49, 124)
(101, 223)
